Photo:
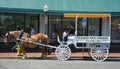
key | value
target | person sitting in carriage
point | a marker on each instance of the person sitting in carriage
(72, 28)
(66, 33)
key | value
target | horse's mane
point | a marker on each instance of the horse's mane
(15, 33)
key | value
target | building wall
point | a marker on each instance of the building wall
(9, 21)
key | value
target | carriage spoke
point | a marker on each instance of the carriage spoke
(99, 52)
(63, 52)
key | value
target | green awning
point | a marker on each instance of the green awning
(61, 6)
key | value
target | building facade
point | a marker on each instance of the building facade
(23, 14)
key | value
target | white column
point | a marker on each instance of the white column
(42, 23)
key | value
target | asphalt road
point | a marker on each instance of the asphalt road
(56, 64)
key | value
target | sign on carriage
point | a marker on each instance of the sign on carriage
(90, 39)
(93, 39)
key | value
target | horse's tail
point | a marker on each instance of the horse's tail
(44, 38)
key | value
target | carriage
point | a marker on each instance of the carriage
(98, 45)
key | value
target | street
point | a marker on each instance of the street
(51, 63)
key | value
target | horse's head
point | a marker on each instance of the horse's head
(10, 35)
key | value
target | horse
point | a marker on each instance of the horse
(38, 37)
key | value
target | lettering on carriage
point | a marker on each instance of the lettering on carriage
(103, 37)
(92, 37)
(83, 37)
(90, 41)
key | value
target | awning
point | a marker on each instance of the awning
(61, 6)
(86, 15)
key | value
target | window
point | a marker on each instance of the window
(31, 20)
(115, 29)
(10, 21)
(54, 27)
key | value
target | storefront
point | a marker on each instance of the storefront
(24, 13)
(115, 29)
(10, 22)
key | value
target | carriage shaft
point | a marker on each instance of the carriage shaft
(37, 43)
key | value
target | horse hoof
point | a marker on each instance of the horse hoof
(43, 57)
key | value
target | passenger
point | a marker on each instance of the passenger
(72, 29)
(65, 35)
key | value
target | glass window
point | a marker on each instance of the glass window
(115, 29)
(31, 20)
(54, 27)
(67, 21)
(93, 27)
(9, 22)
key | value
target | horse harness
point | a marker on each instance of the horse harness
(20, 36)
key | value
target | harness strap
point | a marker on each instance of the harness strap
(20, 35)
(26, 41)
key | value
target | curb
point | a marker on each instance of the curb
(35, 57)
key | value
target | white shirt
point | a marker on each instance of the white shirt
(32, 31)
(64, 35)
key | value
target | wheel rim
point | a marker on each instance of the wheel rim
(63, 52)
(99, 52)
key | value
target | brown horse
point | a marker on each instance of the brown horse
(39, 38)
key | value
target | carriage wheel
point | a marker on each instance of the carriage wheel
(63, 52)
(99, 52)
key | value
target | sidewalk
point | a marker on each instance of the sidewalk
(38, 54)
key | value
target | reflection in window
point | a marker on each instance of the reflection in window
(10, 22)
(115, 29)
(31, 20)
(54, 27)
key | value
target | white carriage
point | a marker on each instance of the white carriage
(98, 45)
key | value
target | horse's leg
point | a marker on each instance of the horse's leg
(44, 52)
(24, 53)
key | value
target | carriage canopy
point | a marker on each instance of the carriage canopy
(105, 28)
(86, 15)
